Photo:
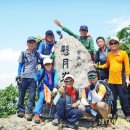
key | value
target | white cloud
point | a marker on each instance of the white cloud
(119, 23)
(6, 79)
(8, 66)
(9, 55)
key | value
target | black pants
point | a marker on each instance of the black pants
(30, 85)
(119, 90)
(129, 94)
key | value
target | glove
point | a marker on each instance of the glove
(92, 86)
(52, 56)
(39, 67)
(84, 101)
(17, 78)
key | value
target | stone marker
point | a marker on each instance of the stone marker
(73, 58)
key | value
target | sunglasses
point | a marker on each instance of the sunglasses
(113, 43)
(67, 81)
(48, 64)
(50, 35)
(92, 77)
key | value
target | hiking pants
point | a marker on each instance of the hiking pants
(29, 85)
(39, 104)
(119, 90)
(71, 115)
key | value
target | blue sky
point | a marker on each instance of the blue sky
(22, 18)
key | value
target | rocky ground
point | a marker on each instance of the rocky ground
(15, 123)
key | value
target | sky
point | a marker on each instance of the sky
(20, 19)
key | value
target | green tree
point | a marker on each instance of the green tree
(8, 101)
(124, 37)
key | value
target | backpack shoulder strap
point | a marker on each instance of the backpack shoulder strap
(24, 57)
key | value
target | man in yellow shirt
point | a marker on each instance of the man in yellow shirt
(118, 64)
(93, 98)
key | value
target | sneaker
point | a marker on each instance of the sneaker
(37, 119)
(20, 114)
(55, 122)
(72, 126)
(29, 116)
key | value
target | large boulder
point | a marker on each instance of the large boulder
(73, 58)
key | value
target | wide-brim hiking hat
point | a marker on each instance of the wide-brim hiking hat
(68, 76)
(31, 38)
(83, 27)
(49, 32)
(114, 39)
(47, 61)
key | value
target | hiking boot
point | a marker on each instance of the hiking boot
(29, 116)
(37, 119)
(72, 126)
(55, 122)
(20, 114)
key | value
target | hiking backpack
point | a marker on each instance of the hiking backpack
(108, 96)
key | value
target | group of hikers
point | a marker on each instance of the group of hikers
(98, 99)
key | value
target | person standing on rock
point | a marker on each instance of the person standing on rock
(26, 73)
(47, 79)
(101, 57)
(85, 39)
(66, 107)
(118, 64)
(46, 47)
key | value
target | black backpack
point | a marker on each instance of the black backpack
(108, 96)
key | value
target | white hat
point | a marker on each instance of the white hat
(114, 38)
(47, 61)
(69, 76)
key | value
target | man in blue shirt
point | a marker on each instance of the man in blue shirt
(26, 73)
(46, 47)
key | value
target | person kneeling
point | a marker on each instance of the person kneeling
(48, 83)
(93, 99)
(66, 107)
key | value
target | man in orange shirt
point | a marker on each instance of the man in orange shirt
(118, 64)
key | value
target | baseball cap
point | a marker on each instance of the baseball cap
(68, 76)
(83, 27)
(49, 32)
(92, 72)
(31, 38)
(47, 61)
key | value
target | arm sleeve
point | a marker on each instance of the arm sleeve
(41, 48)
(70, 32)
(21, 62)
(126, 63)
(20, 66)
(38, 75)
(56, 79)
